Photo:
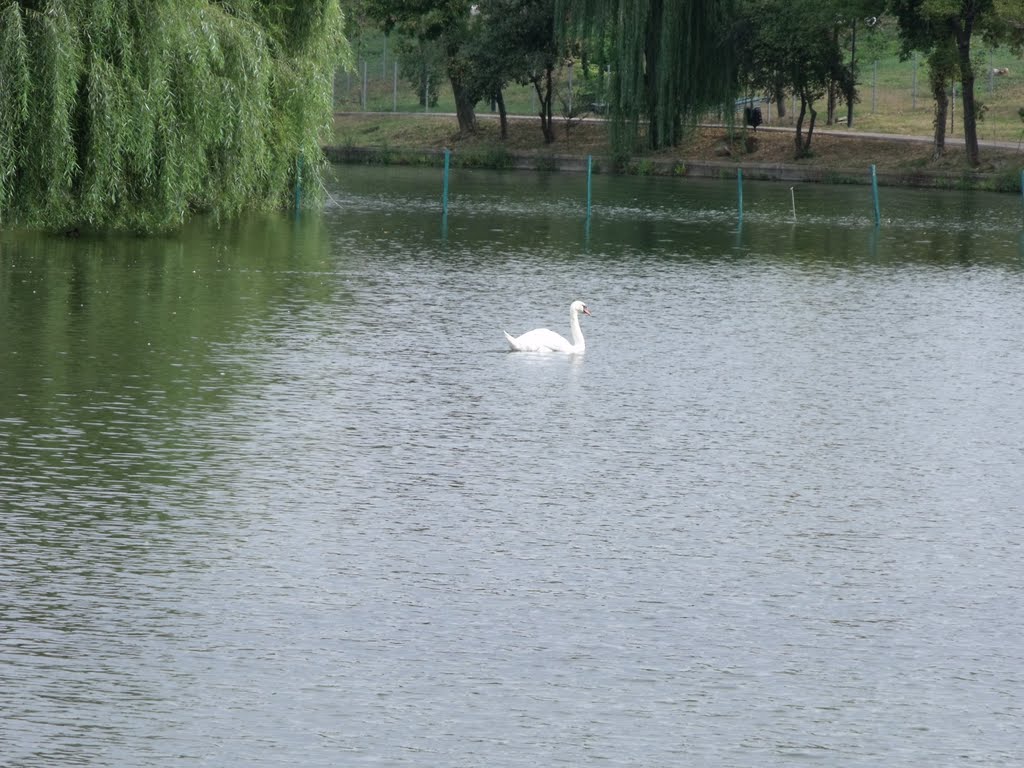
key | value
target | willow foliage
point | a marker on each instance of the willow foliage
(670, 60)
(130, 114)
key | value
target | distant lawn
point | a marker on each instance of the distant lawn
(894, 95)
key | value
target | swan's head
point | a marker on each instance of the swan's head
(579, 306)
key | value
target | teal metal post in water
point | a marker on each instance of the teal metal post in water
(590, 170)
(739, 187)
(444, 193)
(298, 183)
(586, 223)
(874, 191)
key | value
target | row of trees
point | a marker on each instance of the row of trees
(945, 30)
(132, 113)
(672, 61)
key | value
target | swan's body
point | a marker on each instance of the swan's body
(543, 340)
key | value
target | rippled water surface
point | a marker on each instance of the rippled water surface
(275, 493)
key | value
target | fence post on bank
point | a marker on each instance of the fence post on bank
(913, 87)
(570, 88)
(874, 86)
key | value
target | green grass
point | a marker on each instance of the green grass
(893, 99)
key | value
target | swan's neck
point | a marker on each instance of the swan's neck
(577, 332)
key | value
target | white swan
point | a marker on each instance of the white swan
(543, 340)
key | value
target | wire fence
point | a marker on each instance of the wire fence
(379, 85)
(893, 95)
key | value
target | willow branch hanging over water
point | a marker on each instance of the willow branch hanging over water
(670, 61)
(131, 114)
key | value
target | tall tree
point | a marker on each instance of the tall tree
(130, 114)
(450, 23)
(516, 42)
(422, 63)
(962, 22)
(790, 43)
(853, 17)
(671, 60)
(942, 69)
(937, 27)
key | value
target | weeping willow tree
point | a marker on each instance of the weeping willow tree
(131, 114)
(671, 60)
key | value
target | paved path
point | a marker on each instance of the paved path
(855, 134)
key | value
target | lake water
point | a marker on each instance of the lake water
(274, 493)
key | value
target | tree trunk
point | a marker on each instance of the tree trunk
(963, 44)
(938, 84)
(810, 128)
(465, 107)
(802, 144)
(424, 89)
(545, 95)
(779, 96)
(833, 86)
(852, 82)
(798, 138)
(499, 98)
(941, 70)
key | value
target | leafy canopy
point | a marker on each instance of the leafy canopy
(131, 114)
(671, 60)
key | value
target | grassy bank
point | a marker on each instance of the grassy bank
(838, 156)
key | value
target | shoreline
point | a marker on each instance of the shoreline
(681, 167)
(714, 152)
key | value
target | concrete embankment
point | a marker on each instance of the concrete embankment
(677, 167)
